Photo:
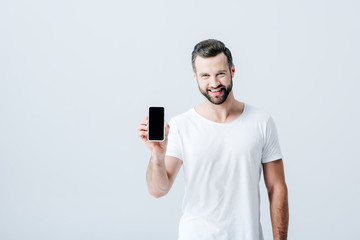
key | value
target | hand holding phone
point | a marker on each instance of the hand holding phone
(157, 147)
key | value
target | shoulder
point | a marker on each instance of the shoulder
(184, 118)
(255, 114)
(263, 121)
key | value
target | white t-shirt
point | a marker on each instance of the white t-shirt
(222, 169)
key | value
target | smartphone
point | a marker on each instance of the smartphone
(156, 130)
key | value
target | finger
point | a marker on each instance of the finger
(145, 122)
(142, 127)
(146, 119)
(167, 128)
(144, 138)
(142, 133)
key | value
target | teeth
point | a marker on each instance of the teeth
(216, 90)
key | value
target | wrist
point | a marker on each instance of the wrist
(158, 156)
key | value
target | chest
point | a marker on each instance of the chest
(223, 145)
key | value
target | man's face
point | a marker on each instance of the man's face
(214, 77)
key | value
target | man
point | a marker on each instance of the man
(222, 144)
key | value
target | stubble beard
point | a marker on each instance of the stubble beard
(217, 99)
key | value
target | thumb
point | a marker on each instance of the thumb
(167, 128)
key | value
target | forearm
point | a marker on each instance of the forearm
(279, 211)
(156, 176)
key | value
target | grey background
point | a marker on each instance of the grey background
(76, 78)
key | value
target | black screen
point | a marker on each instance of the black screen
(156, 123)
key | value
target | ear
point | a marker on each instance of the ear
(233, 70)
(194, 76)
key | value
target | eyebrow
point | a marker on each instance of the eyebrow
(220, 71)
(202, 74)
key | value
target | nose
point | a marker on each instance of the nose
(214, 82)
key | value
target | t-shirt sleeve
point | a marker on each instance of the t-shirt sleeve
(174, 144)
(271, 150)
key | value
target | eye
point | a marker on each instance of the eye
(204, 75)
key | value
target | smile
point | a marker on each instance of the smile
(216, 92)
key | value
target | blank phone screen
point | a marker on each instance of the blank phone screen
(156, 123)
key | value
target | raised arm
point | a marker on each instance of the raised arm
(161, 174)
(162, 170)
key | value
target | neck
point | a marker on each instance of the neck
(223, 112)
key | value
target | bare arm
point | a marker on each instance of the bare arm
(162, 170)
(161, 174)
(278, 196)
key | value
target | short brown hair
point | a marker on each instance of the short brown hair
(210, 48)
